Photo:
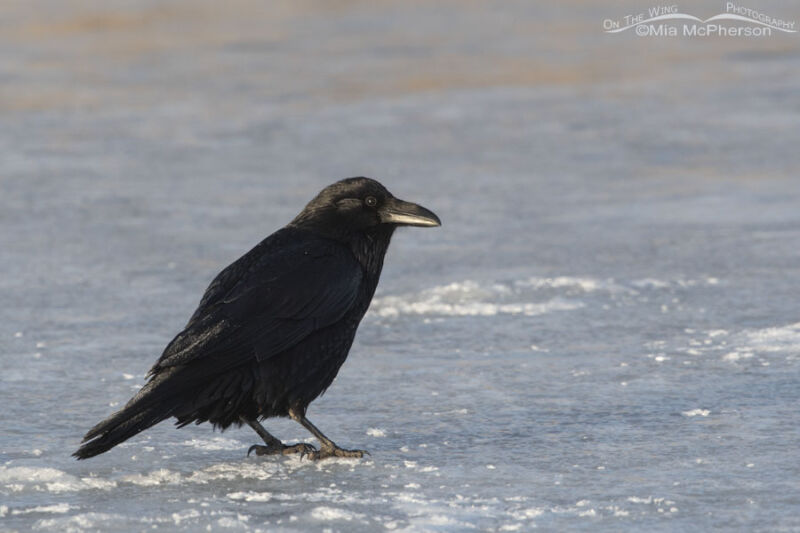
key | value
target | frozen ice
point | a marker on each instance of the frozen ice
(468, 298)
(696, 412)
(603, 335)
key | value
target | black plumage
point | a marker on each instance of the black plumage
(274, 327)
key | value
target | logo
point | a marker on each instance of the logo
(670, 21)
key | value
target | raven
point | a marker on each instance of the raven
(273, 328)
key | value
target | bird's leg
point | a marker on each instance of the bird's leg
(273, 444)
(327, 448)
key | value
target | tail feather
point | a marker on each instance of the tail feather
(151, 405)
(177, 391)
(105, 436)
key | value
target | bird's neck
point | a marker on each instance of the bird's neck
(370, 247)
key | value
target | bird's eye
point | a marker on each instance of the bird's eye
(370, 201)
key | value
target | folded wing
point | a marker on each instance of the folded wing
(277, 301)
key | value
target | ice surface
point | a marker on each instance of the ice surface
(602, 336)
(696, 412)
(467, 298)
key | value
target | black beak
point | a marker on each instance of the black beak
(402, 213)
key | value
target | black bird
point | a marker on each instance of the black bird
(273, 328)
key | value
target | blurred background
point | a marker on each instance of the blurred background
(604, 334)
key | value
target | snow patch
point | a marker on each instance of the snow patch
(20, 478)
(333, 513)
(185, 515)
(568, 282)
(532, 512)
(81, 522)
(469, 298)
(782, 339)
(58, 508)
(214, 444)
(224, 471)
(157, 477)
(650, 500)
(251, 496)
(735, 356)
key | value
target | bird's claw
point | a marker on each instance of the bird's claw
(335, 451)
(302, 448)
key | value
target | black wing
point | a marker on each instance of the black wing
(268, 303)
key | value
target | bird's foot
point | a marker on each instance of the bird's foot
(334, 451)
(282, 449)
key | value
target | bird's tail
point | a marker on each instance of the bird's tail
(145, 409)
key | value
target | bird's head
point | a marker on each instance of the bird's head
(359, 204)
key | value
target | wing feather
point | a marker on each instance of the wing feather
(279, 299)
